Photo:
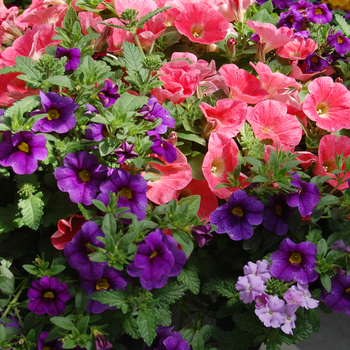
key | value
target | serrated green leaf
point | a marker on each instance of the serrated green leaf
(133, 57)
(189, 277)
(193, 203)
(130, 326)
(147, 323)
(164, 317)
(171, 292)
(345, 27)
(60, 80)
(112, 298)
(7, 70)
(314, 320)
(26, 65)
(32, 210)
(132, 103)
(314, 235)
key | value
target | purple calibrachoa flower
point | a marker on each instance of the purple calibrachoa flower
(162, 148)
(237, 216)
(111, 279)
(315, 63)
(282, 4)
(108, 94)
(96, 132)
(125, 152)
(48, 296)
(73, 57)
(291, 19)
(51, 345)
(77, 250)
(132, 190)
(250, 287)
(319, 14)
(201, 234)
(157, 259)
(294, 262)
(154, 110)
(340, 42)
(276, 215)
(59, 109)
(22, 151)
(273, 314)
(339, 297)
(166, 339)
(305, 198)
(101, 342)
(80, 176)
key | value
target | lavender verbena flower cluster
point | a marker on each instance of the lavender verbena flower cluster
(272, 311)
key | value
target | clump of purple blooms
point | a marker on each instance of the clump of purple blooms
(108, 94)
(73, 57)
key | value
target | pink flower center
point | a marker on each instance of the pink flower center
(52, 114)
(197, 30)
(102, 283)
(23, 147)
(295, 258)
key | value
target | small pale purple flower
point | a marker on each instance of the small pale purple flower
(80, 176)
(307, 302)
(125, 152)
(291, 19)
(319, 14)
(293, 297)
(59, 109)
(154, 110)
(166, 339)
(132, 190)
(157, 259)
(108, 94)
(162, 148)
(201, 234)
(273, 314)
(294, 262)
(237, 216)
(289, 322)
(250, 287)
(305, 198)
(51, 345)
(111, 279)
(48, 296)
(314, 63)
(77, 250)
(73, 57)
(260, 268)
(22, 151)
(261, 300)
(340, 43)
(276, 215)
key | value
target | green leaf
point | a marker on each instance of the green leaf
(133, 57)
(132, 103)
(171, 292)
(326, 282)
(151, 14)
(32, 210)
(191, 137)
(197, 342)
(62, 322)
(328, 200)
(99, 205)
(321, 248)
(314, 235)
(164, 317)
(113, 298)
(83, 324)
(109, 225)
(147, 323)
(274, 163)
(81, 301)
(6, 285)
(345, 27)
(60, 80)
(26, 65)
(31, 269)
(130, 326)
(261, 178)
(189, 277)
(106, 146)
(193, 204)
(314, 320)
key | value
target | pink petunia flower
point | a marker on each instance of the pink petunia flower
(46, 15)
(229, 116)
(221, 158)
(243, 85)
(270, 120)
(329, 145)
(202, 24)
(298, 49)
(174, 177)
(143, 7)
(90, 19)
(9, 26)
(328, 104)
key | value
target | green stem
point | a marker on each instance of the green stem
(22, 287)
(138, 43)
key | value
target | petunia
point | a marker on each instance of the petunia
(108, 94)
(237, 217)
(315, 63)
(96, 132)
(80, 176)
(340, 42)
(22, 151)
(319, 14)
(298, 49)
(201, 234)
(48, 296)
(125, 152)
(60, 113)
(294, 262)
(162, 147)
(157, 259)
(291, 19)
(73, 57)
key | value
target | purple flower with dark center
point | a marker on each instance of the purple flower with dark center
(51, 345)
(166, 339)
(22, 151)
(201, 234)
(339, 297)
(314, 63)
(340, 43)
(77, 250)
(60, 117)
(48, 296)
(96, 132)
(125, 152)
(305, 198)
(273, 314)
(237, 216)
(111, 279)
(294, 262)
(132, 190)
(108, 94)
(319, 14)
(340, 245)
(301, 6)
(154, 110)
(276, 215)
(157, 259)
(250, 287)
(282, 4)
(162, 148)
(80, 176)
(291, 19)
(73, 57)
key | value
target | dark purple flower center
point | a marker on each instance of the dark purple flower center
(155, 253)
(102, 283)
(295, 258)
(318, 11)
(85, 175)
(126, 192)
(53, 114)
(49, 295)
(278, 210)
(23, 147)
(238, 211)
